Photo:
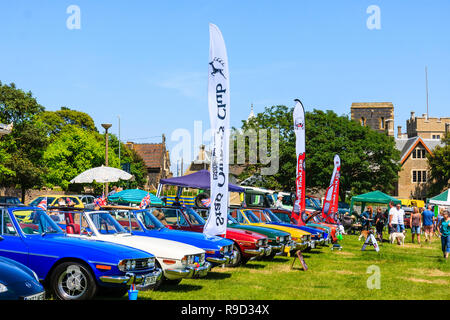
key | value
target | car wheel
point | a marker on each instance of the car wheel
(238, 259)
(73, 281)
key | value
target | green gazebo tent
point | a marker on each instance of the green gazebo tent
(442, 199)
(372, 197)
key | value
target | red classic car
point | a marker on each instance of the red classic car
(247, 244)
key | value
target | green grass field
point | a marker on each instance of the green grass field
(409, 272)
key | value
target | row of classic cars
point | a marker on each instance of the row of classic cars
(77, 253)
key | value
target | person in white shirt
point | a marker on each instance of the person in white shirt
(400, 218)
(279, 203)
(393, 218)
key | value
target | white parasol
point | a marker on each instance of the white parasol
(102, 175)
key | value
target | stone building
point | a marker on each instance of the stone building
(377, 115)
(422, 135)
(426, 127)
(156, 159)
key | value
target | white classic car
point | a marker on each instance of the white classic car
(177, 260)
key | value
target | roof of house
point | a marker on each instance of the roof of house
(406, 146)
(151, 153)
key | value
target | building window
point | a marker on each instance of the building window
(382, 123)
(436, 137)
(419, 176)
(363, 121)
(418, 153)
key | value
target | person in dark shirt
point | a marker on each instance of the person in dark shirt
(379, 223)
(176, 203)
(367, 218)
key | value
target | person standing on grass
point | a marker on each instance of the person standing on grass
(414, 223)
(367, 218)
(379, 224)
(444, 232)
(393, 218)
(428, 217)
(400, 218)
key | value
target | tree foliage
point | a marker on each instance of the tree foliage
(439, 164)
(55, 121)
(369, 160)
(22, 150)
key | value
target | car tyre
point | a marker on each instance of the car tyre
(73, 281)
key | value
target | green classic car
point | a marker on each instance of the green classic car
(278, 239)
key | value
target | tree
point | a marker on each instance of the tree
(55, 121)
(73, 151)
(439, 164)
(21, 159)
(369, 160)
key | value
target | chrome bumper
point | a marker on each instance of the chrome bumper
(277, 248)
(302, 245)
(262, 251)
(189, 272)
(223, 260)
(131, 278)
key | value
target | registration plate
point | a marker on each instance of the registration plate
(39, 296)
(149, 280)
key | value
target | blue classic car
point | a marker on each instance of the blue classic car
(72, 269)
(146, 223)
(18, 282)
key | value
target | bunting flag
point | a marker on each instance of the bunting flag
(145, 201)
(219, 115)
(43, 204)
(300, 186)
(100, 201)
(330, 204)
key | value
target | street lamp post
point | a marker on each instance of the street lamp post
(106, 126)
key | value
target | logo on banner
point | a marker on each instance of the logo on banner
(217, 66)
(299, 123)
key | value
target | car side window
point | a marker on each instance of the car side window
(6, 225)
(181, 220)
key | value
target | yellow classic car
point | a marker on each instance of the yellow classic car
(55, 200)
(246, 216)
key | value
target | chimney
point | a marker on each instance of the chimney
(390, 127)
(399, 132)
(413, 115)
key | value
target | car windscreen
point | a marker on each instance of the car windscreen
(36, 201)
(251, 216)
(10, 200)
(284, 217)
(273, 217)
(148, 218)
(194, 217)
(35, 221)
(231, 220)
(105, 223)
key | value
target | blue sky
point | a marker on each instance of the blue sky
(147, 61)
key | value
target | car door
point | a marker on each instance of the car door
(12, 245)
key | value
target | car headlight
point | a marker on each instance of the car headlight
(151, 262)
(261, 242)
(3, 288)
(184, 261)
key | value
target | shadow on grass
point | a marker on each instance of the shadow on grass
(217, 275)
(178, 287)
(250, 265)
